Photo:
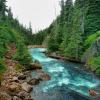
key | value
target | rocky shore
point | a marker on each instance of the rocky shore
(18, 85)
(17, 82)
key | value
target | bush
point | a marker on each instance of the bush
(94, 64)
(2, 66)
(22, 54)
(18, 67)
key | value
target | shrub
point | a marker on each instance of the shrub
(94, 64)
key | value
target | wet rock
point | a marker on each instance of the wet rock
(42, 75)
(45, 77)
(24, 95)
(34, 81)
(22, 77)
(16, 98)
(35, 66)
(4, 96)
(26, 87)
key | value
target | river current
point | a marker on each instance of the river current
(69, 81)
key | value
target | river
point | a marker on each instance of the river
(69, 81)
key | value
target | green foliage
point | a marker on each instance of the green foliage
(52, 45)
(91, 38)
(18, 67)
(11, 31)
(92, 19)
(94, 64)
(22, 54)
(2, 66)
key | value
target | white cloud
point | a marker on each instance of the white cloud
(39, 12)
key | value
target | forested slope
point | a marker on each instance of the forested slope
(12, 36)
(75, 32)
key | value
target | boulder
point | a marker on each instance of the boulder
(34, 81)
(4, 96)
(14, 87)
(22, 77)
(26, 87)
(45, 77)
(35, 66)
(42, 75)
(24, 95)
(15, 79)
(16, 98)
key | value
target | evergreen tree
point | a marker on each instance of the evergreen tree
(74, 48)
(10, 14)
(2, 9)
(92, 20)
(30, 28)
(67, 27)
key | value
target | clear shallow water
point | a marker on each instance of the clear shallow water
(66, 77)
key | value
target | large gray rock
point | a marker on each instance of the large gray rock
(94, 50)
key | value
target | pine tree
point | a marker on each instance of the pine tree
(30, 28)
(10, 14)
(67, 27)
(74, 48)
(2, 9)
(92, 20)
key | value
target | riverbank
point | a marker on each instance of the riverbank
(58, 56)
(17, 82)
(36, 46)
(14, 80)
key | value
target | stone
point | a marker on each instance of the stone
(24, 95)
(34, 81)
(42, 75)
(15, 79)
(22, 77)
(16, 98)
(14, 87)
(45, 77)
(35, 66)
(26, 87)
(4, 96)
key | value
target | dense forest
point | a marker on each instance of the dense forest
(75, 33)
(12, 36)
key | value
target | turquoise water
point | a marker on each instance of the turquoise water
(66, 77)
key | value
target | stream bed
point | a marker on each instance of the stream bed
(69, 81)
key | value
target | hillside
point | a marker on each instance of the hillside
(12, 36)
(75, 33)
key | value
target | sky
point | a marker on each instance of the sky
(40, 13)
